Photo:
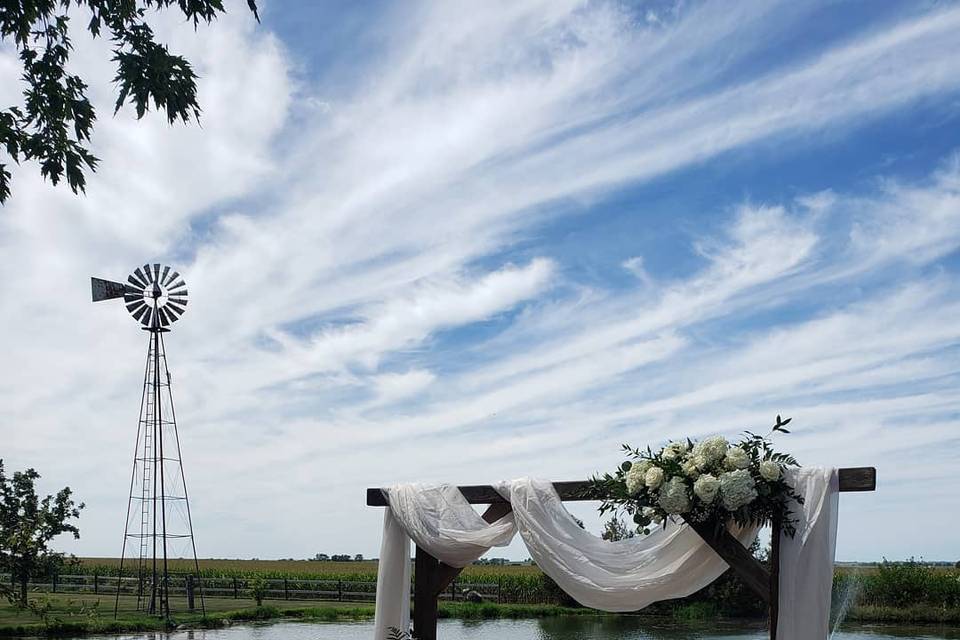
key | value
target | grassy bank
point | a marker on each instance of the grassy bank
(78, 616)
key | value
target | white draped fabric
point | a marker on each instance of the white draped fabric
(627, 575)
(611, 576)
(440, 520)
(806, 560)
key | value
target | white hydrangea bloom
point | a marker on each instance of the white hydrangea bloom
(654, 477)
(690, 469)
(737, 489)
(706, 487)
(737, 458)
(770, 470)
(634, 477)
(673, 496)
(699, 460)
(674, 450)
(712, 450)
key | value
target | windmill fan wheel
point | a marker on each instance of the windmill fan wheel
(156, 295)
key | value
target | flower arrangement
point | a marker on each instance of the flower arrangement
(710, 480)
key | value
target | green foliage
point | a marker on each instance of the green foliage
(904, 584)
(258, 589)
(28, 524)
(616, 529)
(54, 123)
(397, 634)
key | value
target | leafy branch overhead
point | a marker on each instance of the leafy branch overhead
(53, 125)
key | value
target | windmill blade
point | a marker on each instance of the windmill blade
(173, 276)
(106, 289)
(147, 317)
(163, 278)
(164, 318)
(133, 307)
(156, 271)
(139, 311)
(149, 273)
(176, 286)
(180, 301)
(174, 309)
(137, 278)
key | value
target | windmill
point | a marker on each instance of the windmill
(158, 519)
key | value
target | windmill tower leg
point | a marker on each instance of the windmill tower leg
(183, 478)
(133, 498)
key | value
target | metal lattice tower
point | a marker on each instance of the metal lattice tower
(159, 524)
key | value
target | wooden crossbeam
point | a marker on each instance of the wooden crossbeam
(431, 576)
(851, 479)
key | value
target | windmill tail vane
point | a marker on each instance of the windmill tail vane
(159, 524)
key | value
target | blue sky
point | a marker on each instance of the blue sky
(451, 242)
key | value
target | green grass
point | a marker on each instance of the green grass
(64, 619)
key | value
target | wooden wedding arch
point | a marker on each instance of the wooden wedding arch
(432, 577)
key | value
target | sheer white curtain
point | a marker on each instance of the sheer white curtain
(612, 576)
(806, 560)
(440, 520)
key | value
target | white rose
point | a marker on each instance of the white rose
(634, 477)
(699, 460)
(737, 489)
(673, 496)
(654, 477)
(706, 487)
(770, 470)
(690, 469)
(712, 450)
(737, 458)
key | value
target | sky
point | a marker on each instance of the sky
(466, 242)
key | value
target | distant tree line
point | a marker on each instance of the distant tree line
(337, 557)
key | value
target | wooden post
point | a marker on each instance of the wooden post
(96, 585)
(426, 569)
(775, 530)
(236, 591)
(340, 590)
(286, 590)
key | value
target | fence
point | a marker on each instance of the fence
(179, 585)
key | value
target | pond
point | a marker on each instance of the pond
(559, 628)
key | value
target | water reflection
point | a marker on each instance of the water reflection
(561, 628)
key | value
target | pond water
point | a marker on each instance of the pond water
(559, 628)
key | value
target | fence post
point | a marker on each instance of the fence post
(340, 590)
(286, 591)
(190, 592)
(236, 593)
(96, 582)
